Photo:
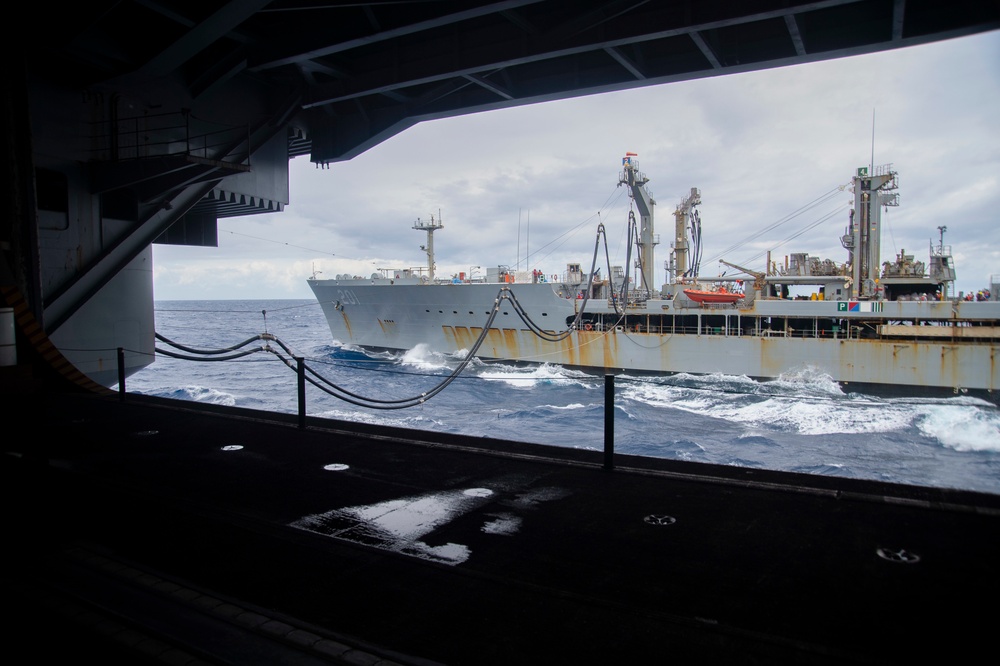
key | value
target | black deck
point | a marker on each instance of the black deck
(132, 526)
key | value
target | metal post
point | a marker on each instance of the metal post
(121, 374)
(609, 422)
(301, 374)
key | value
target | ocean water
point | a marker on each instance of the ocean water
(804, 423)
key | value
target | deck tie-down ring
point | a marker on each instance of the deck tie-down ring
(901, 555)
(659, 520)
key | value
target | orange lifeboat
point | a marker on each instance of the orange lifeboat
(718, 296)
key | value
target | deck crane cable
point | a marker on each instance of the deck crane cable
(788, 218)
(811, 226)
(633, 242)
(607, 259)
(639, 265)
(617, 296)
(784, 220)
(616, 194)
(695, 267)
(575, 324)
(630, 231)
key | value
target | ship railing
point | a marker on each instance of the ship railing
(747, 327)
(634, 299)
(124, 138)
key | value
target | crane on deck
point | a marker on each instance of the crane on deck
(758, 277)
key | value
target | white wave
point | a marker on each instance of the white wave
(714, 381)
(962, 423)
(962, 427)
(530, 376)
(354, 349)
(209, 395)
(959, 400)
(810, 379)
(380, 418)
(424, 358)
(817, 417)
(665, 395)
(784, 413)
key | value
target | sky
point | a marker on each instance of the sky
(527, 187)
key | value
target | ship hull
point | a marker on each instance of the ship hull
(450, 318)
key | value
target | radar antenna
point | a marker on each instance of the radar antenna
(430, 228)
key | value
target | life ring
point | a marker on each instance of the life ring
(588, 327)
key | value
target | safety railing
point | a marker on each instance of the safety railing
(167, 134)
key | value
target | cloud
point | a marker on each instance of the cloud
(529, 185)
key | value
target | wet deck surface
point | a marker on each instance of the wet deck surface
(229, 536)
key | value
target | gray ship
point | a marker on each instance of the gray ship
(889, 328)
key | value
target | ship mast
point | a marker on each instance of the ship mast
(636, 183)
(430, 228)
(872, 191)
(942, 265)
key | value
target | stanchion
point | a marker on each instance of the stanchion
(121, 374)
(300, 371)
(609, 422)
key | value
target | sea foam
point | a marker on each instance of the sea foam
(962, 427)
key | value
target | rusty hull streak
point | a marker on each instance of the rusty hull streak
(582, 349)
(510, 340)
(347, 323)
(463, 337)
(388, 328)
